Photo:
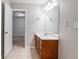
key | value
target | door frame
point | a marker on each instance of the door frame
(2, 31)
(25, 36)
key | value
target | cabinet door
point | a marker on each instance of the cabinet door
(38, 44)
(49, 49)
(35, 41)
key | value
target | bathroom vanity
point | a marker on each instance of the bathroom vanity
(46, 45)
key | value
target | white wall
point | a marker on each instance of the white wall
(68, 34)
(18, 26)
(35, 20)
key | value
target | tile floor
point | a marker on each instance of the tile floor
(19, 52)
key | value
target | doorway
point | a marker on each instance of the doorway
(19, 28)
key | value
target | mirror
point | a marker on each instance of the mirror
(51, 19)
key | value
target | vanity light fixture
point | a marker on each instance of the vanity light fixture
(50, 5)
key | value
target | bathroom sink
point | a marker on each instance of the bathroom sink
(46, 36)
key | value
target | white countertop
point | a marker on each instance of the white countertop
(49, 36)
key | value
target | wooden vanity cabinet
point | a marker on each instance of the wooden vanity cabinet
(37, 43)
(47, 49)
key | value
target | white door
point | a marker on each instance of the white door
(7, 29)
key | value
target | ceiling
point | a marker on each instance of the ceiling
(30, 1)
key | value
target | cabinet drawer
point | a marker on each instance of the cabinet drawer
(49, 43)
(49, 53)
